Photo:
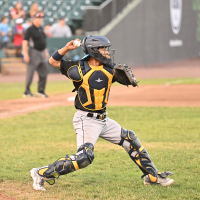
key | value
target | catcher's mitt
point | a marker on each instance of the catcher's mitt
(124, 75)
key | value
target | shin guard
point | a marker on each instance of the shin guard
(68, 164)
(139, 155)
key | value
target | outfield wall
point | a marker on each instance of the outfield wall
(150, 31)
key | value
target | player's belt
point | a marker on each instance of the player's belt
(98, 116)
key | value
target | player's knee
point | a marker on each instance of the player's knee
(130, 136)
(85, 155)
(68, 164)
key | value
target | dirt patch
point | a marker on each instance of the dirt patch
(156, 95)
(4, 197)
(151, 95)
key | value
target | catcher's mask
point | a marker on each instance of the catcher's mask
(91, 45)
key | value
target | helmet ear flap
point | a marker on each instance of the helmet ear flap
(84, 46)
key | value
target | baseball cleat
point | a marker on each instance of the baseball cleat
(28, 95)
(38, 181)
(160, 181)
(42, 94)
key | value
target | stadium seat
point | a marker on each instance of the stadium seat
(62, 14)
(48, 20)
(44, 2)
(85, 2)
(70, 2)
(71, 10)
(6, 14)
(41, 7)
(77, 14)
(67, 8)
(68, 21)
(14, 2)
(49, 14)
(29, 2)
(1, 3)
(59, 3)
(26, 8)
(54, 8)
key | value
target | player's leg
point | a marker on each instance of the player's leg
(31, 67)
(42, 70)
(62, 166)
(141, 157)
(114, 133)
(87, 130)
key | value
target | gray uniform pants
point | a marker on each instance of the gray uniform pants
(89, 129)
(37, 62)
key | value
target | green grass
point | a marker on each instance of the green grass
(15, 90)
(171, 136)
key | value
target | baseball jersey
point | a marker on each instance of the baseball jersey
(92, 84)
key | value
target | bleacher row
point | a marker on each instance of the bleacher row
(71, 10)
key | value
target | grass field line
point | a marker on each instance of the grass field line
(102, 146)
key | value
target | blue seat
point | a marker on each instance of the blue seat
(68, 21)
(48, 20)
(49, 13)
(1, 3)
(62, 14)
(85, 2)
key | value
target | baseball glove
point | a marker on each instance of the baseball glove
(124, 75)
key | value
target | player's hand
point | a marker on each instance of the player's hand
(46, 54)
(70, 45)
(26, 58)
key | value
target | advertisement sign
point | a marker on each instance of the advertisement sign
(176, 15)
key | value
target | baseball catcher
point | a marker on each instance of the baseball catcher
(92, 77)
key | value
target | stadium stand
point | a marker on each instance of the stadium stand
(71, 10)
(75, 12)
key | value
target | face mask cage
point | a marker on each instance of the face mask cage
(106, 55)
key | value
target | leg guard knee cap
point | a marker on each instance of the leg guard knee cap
(88, 149)
(65, 165)
(131, 137)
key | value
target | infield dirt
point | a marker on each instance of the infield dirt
(145, 95)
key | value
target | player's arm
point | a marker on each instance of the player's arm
(55, 59)
(25, 42)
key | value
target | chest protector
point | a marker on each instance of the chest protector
(93, 92)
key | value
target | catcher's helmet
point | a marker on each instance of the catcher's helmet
(91, 45)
